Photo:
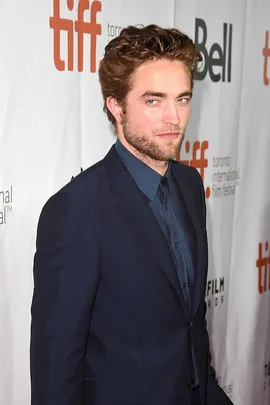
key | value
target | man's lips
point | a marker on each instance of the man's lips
(169, 135)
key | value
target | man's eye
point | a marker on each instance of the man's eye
(184, 100)
(151, 101)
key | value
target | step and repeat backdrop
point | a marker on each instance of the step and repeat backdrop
(52, 127)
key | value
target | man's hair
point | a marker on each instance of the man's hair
(135, 46)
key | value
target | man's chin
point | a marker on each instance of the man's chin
(166, 157)
(171, 145)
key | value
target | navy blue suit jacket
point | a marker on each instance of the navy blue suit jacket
(109, 321)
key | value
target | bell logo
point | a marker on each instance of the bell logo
(263, 266)
(218, 56)
(198, 159)
(81, 27)
(266, 55)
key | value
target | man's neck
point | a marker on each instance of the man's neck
(159, 166)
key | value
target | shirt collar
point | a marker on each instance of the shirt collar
(147, 179)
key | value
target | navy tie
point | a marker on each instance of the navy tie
(178, 238)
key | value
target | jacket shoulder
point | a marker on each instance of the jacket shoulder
(87, 178)
(83, 189)
(188, 173)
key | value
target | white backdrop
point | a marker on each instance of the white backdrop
(52, 125)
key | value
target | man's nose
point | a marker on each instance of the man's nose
(171, 115)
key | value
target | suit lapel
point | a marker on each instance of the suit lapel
(188, 197)
(133, 207)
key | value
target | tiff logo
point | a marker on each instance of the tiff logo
(81, 27)
(263, 265)
(266, 55)
(198, 159)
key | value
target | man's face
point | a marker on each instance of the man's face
(157, 110)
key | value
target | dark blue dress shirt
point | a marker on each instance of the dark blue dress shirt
(165, 200)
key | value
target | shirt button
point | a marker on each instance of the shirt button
(184, 285)
(167, 205)
(176, 244)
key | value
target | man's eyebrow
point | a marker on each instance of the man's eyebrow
(159, 94)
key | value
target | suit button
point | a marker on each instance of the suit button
(190, 383)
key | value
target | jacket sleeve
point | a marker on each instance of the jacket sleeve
(66, 275)
(215, 394)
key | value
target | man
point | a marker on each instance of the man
(118, 313)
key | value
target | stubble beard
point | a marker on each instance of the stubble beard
(148, 147)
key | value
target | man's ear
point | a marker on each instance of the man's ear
(115, 109)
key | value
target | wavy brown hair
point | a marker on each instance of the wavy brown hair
(135, 46)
